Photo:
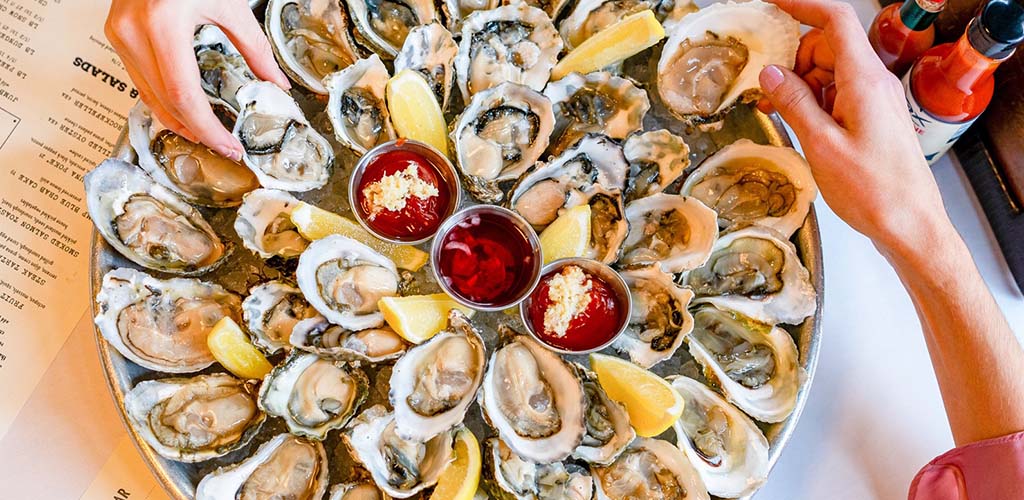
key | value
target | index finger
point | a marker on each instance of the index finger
(843, 32)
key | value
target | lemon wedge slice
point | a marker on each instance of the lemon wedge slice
(567, 236)
(613, 44)
(653, 405)
(418, 317)
(314, 223)
(461, 477)
(233, 350)
(414, 111)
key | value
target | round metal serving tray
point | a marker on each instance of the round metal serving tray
(245, 270)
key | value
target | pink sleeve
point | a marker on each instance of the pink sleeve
(987, 469)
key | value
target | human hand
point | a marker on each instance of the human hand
(864, 153)
(154, 40)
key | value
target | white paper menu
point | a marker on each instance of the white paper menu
(63, 100)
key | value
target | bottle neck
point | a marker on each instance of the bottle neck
(964, 66)
(918, 15)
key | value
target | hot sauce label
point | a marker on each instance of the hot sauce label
(936, 136)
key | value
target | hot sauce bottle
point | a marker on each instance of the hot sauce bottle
(951, 84)
(902, 32)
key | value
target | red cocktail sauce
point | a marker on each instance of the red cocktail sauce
(590, 329)
(420, 217)
(487, 260)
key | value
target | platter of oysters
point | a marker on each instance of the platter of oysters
(343, 311)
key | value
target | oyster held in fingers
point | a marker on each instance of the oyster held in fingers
(222, 69)
(194, 419)
(287, 466)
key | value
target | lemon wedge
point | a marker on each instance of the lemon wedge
(233, 350)
(461, 477)
(418, 317)
(653, 405)
(613, 44)
(414, 111)
(314, 223)
(567, 236)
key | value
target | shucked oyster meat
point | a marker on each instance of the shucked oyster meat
(430, 50)
(265, 226)
(591, 16)
(668, 230)
(383, 25)
(286, 466)
(713, 57)
(193, 171)
(658, 319)
(651, 469)
(508, 476)
(310, 39)
(162, 324)
(271, 312)
(595, 103)
(222, 69)
(608, 431)
(372, 345)
(656, 159)
(356, 105)
(194, 419)
(148, 223)
(433, 385)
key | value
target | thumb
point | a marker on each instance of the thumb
(793, 99)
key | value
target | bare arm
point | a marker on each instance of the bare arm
(870, 170)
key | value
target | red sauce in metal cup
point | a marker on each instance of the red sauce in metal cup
(485, 259)
(595, 326)
(420, 217)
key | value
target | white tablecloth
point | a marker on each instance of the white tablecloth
(873, 419)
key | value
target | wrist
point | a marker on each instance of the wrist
(928, 247)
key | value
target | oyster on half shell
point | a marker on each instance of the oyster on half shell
(656, 159)
(286, 466)
(148, 223)
(194, 419)
(748, 183)
(372, 345)
(193, 171)
(507, 476)
(534, 401)
(312, 394)
(591, 16)
(343, 279)
(433, 385)
(362, 490)
(399, 467)
(595, 103)
(659, 319)
(222, 69)
(265, 226)
(713, 57)
(430, 50)
(608, 431)
(271, 312)
(383, 25)
(356, 105)
(651, 469)
(310, 38)
(672, 231)
(728, 450)
(159, 324)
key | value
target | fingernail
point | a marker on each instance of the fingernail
(771, 77)
(229, 152)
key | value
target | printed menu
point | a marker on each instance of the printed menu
(63, 101)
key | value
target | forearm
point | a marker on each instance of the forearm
(965, 332)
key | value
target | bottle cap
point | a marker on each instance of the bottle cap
(998, 29)
(918, 15)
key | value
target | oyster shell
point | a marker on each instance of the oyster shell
(728, 450)
(264, 224)
(281, 147)
(507, 476)
(313, 395)
(271, 312)
(372, 345)
(672, 231)
(343, 279)
(500, 135)
(456, 11)
(656, 159)
(650, 469)
(533, 400)
(399, 467)
(222, 69)
(748, 183)
(310, 39)
(430, 50)
(383, 25)
(193, 171)
(658, 320)
(591, 172)
(755, 271)
(194, 419)
(357, 491)
(595, 103)
(433, 385)
(356, 105)
(287, 466)
(159, 324)
(608, 431)
(590, 16)
(148, 223)
(514, 43)
(713, 57)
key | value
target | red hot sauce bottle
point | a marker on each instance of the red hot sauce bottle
(952, 84)
(900, 33)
